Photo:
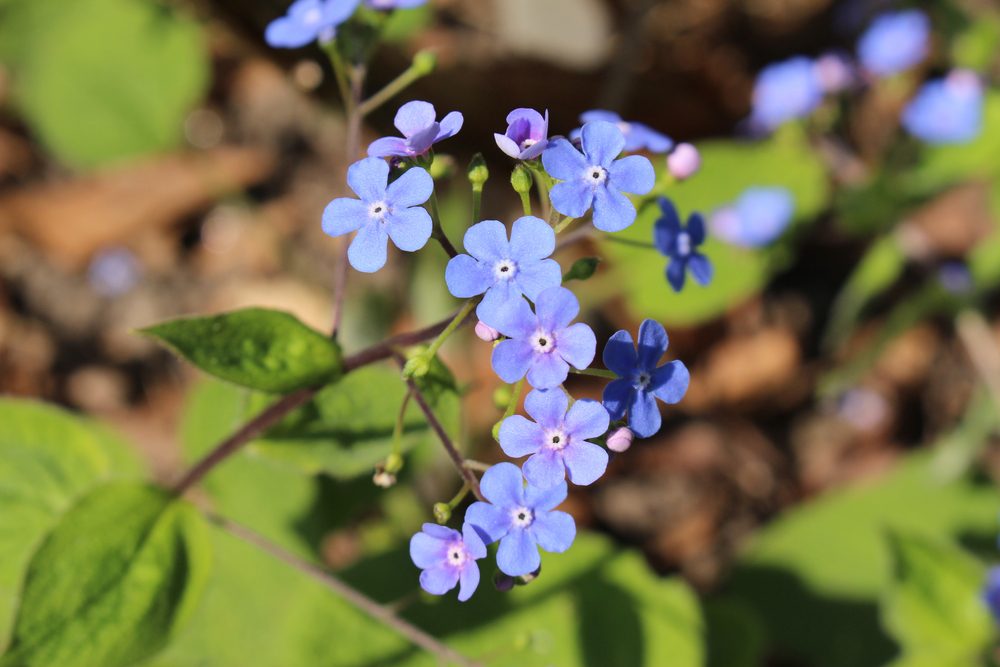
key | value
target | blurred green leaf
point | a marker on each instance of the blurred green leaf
(933, 606)
(102, 80)
(262, 349)
(977, 46)
(955, 453)
(582, 269)
(48, 459)
(122, 569)
(735, 635)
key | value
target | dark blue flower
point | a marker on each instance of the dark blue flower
(895, 42)
(308, 21)
(991, 592)
(784, 91)
(416, 121)
(948, 110)
(756, 218)
(447, 558)
(641, 381)
(638, 136)
(527, 134)
(680, 244)
(596, 178)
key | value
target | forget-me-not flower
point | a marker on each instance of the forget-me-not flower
(307, 21)
(948, 110)
(386, 5)
(527, 134)
(522, 518)
(447, 558)
(759, 216)
(383, 212)
(638, 136)
(416, 120)
(596, 178)
(680, 243)
(640, 381)
(785, 90)
(557, 440)
(504, 270)
(895, 42)
(991, 592)
(542, 344)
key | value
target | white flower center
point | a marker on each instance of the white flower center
(312, 17)
(505, 269)
(543, 341)
(528, 143)
(457, 555)
(642, 380)
(683, 244)
(595, 175)
(556, 440)
(378, 211)
(522, 517)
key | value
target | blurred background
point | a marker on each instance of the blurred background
(158, 159)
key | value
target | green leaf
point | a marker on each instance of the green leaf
(48, 459)
(122, 569)
(262, 349)
(933, 606)
(582, 269)
(102, 80)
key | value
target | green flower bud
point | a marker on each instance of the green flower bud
(424, 62)
(442, 513)
(478, 172)
(418, 364)
(442, 168)
(393, 463)
(520, 179)
(502, 396)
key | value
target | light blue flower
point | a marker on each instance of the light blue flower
(784, 91)
(895, 42)
(948, 110)
(308, 21)
(448, 558)
(638, 136)
(758, 217)
(416, 121)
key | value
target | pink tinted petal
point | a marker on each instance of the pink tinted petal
(533, 151)
(419, 143)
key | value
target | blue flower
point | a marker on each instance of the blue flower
(448, 557)
(383, 212)
(679, 243)
(641, 381)
(757, 218)
(948, 110)
(991, 592)
(784, 91)
(416, 120)
(307, 21)
(527, 134)
(638, 136)
(504, 270)
(595, 178)
(387, 5)
(895, 42)
(557, 439)
(542, 344)
(521, 518)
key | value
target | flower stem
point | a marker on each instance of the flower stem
(563, 224)
(339, 71)
(438, 231)
(526, 202)
(515, 396)
(477, 201)
(456, 322)
(542, 183)
(397, 430)
(415, 71)
(476, 465)
(460, 496)
(595, 372)
(636, 244)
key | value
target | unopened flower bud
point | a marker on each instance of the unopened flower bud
(502, 396)
(684, 162)
(520, 179)
(503, 582)
(526, 579)
(485, 332)
(393, 463)
(442, 167)
(620, 440)
(478, 172)
(418, 364)
(424, 63)
(442, 513)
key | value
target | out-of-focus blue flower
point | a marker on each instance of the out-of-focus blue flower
(527, 134)
(638, 136)
(680, 244)
(504, 270)
(557, 440)
(448, 558)
(991, 592)
(757, 218)
(595, 178)
(955, 277)
(894, 42)
(784, 91)
(387, 5)
(640, 381)
(948, 110)
(522, 518)
(114, 272)
(416, 121)
(307, 21)
(383, 212)
(542, 344)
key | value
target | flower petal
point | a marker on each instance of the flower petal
(696, 228)
(513, 319)
(644, 415)
(440, 532)
(701, 268)
(572, 198)
(585, 462)
(338, 11)
(587, 419)
(653, 343)
(617, 397)
(633, 174)
(285, 32)
(531, 238)
(507, 145)
(667, 227)
(414, 116)
(675, 273)
(534, 119)
(466, 277)
(600, 114)
(554, 531)
(547, 371)
(500, 296)
(544, 469)
(427, 551)
(344, 215)
(487, 241)
(450, 125)
(409, 228)
(556, 308)
(561, 160)
(472, 540)
(619, 354)
(489, 521)
(518, 554)
(469, 581)
(367, 252)
(577, 345)
(439, 580)
(412, 188)
(613, 211)
(670, 382)
(536, 277)
(420, 142)
(388, 146)
(547, 407)
(544, 499)
(367, 177)
(602, 142)
(512, 359)
(520, 436)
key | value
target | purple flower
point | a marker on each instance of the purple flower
(680, 244)
(638, 137)
(521, 518)
(757, 218)
(684, 162)
(991, 592)
(784, 91)
(307, 21)
(595, 178)
(834, 72)
(384, 212)
(387, 5)
(542, 344)
(416, 120)
(955, 277)
(895, 42)
(641, 381)
(948, 110)
(504, 270)
(620, 440)
(557, 440)
(448, 557)
(527, 134)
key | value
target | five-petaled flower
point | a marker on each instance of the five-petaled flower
(527, 134)
(557, 440)
(680, 244)
(542, 344)
(416, 120)
(504, 270)
(640, 381)
(447, 558)
(307, 21)
(522, 518)
(785, 90)
(894, 42)
(595, 178)
(383, 212)
(948, 110)
(638, 136)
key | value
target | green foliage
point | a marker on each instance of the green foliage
(262, 349)
(120, 571)
(933, 608)
(582, 269)
(102, 80)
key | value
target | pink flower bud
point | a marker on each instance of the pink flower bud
(620, 440)
(486, 332)
(684, 162)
